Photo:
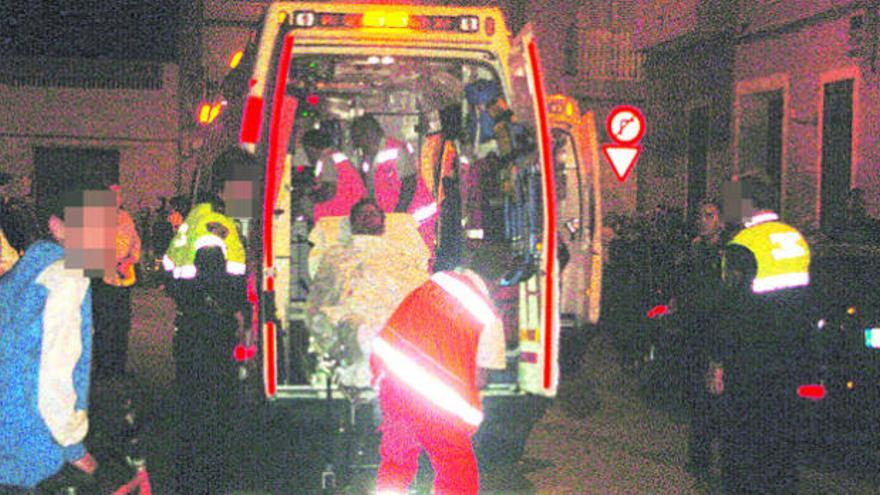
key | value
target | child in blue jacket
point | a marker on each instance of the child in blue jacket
(45, 352)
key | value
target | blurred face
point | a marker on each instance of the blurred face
(88, 234)
(736, 207)
(370, 220)
(239, 198)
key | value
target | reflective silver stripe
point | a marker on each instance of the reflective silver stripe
(185, 272)
(474, 233)
(210, 240)
(468, 298)
(339, 158)
(387, 155)
(427, 385)
(787, 245)
(235, 268)
(319, 167)
(180, 237)
(167, 264)
(410, 148)
(778, 282)
(366, 167)
(425, 212)
(761, 218)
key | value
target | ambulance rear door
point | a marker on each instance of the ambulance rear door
(579, 220)
(539, 323)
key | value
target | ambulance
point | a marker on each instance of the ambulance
(532, 162)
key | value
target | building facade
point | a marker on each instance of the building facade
(785, 90)
(89, 122)
(589, 53)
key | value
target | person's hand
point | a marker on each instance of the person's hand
(86, 464)
(715, 380)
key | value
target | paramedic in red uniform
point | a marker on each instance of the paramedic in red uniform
(390, 174)
(430, 361)
(338, 186)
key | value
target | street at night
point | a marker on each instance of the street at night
(597, 437)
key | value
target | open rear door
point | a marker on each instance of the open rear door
(591, 154)
(539, 295)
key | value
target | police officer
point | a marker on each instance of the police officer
(765, 269)
(206, 264)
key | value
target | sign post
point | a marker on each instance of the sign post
(626, 126)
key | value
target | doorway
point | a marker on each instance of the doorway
(837, 116)
(698, 148)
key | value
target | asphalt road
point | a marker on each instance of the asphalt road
(596, 437)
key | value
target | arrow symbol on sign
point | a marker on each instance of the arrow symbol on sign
(622, 158)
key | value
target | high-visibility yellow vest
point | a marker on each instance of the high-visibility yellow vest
(204, 227)
(8, 255)
(782, 254)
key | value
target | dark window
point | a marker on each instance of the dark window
(571, 51)
(837, 116)
(698, 147)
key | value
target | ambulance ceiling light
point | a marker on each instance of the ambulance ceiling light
(469, 24)
(304, 18)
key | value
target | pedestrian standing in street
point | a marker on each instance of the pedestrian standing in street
(205, 264)
(46, 341)
(112, 297)
(430, 361)
(700, 310)
(765, 269)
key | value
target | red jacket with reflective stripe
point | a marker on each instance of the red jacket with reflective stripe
(429, 345)
(386, 181)
(349, 188)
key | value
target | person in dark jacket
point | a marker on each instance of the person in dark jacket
(700, 311)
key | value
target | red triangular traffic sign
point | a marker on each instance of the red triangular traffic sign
(622, 158)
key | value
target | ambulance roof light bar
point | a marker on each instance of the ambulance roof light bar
(391, 20)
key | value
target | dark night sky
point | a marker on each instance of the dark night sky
(122, 29)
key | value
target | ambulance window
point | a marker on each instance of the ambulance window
(569, 178)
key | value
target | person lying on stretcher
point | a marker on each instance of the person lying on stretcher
(361, 272)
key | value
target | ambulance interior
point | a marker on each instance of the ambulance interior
(490, 201)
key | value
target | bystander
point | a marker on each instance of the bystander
(46, 341)
(112, 296)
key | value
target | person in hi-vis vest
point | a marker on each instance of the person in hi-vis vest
(760, 346)
(205, 264)
(430, 361)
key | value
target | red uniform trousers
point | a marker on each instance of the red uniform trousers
(409, 425)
